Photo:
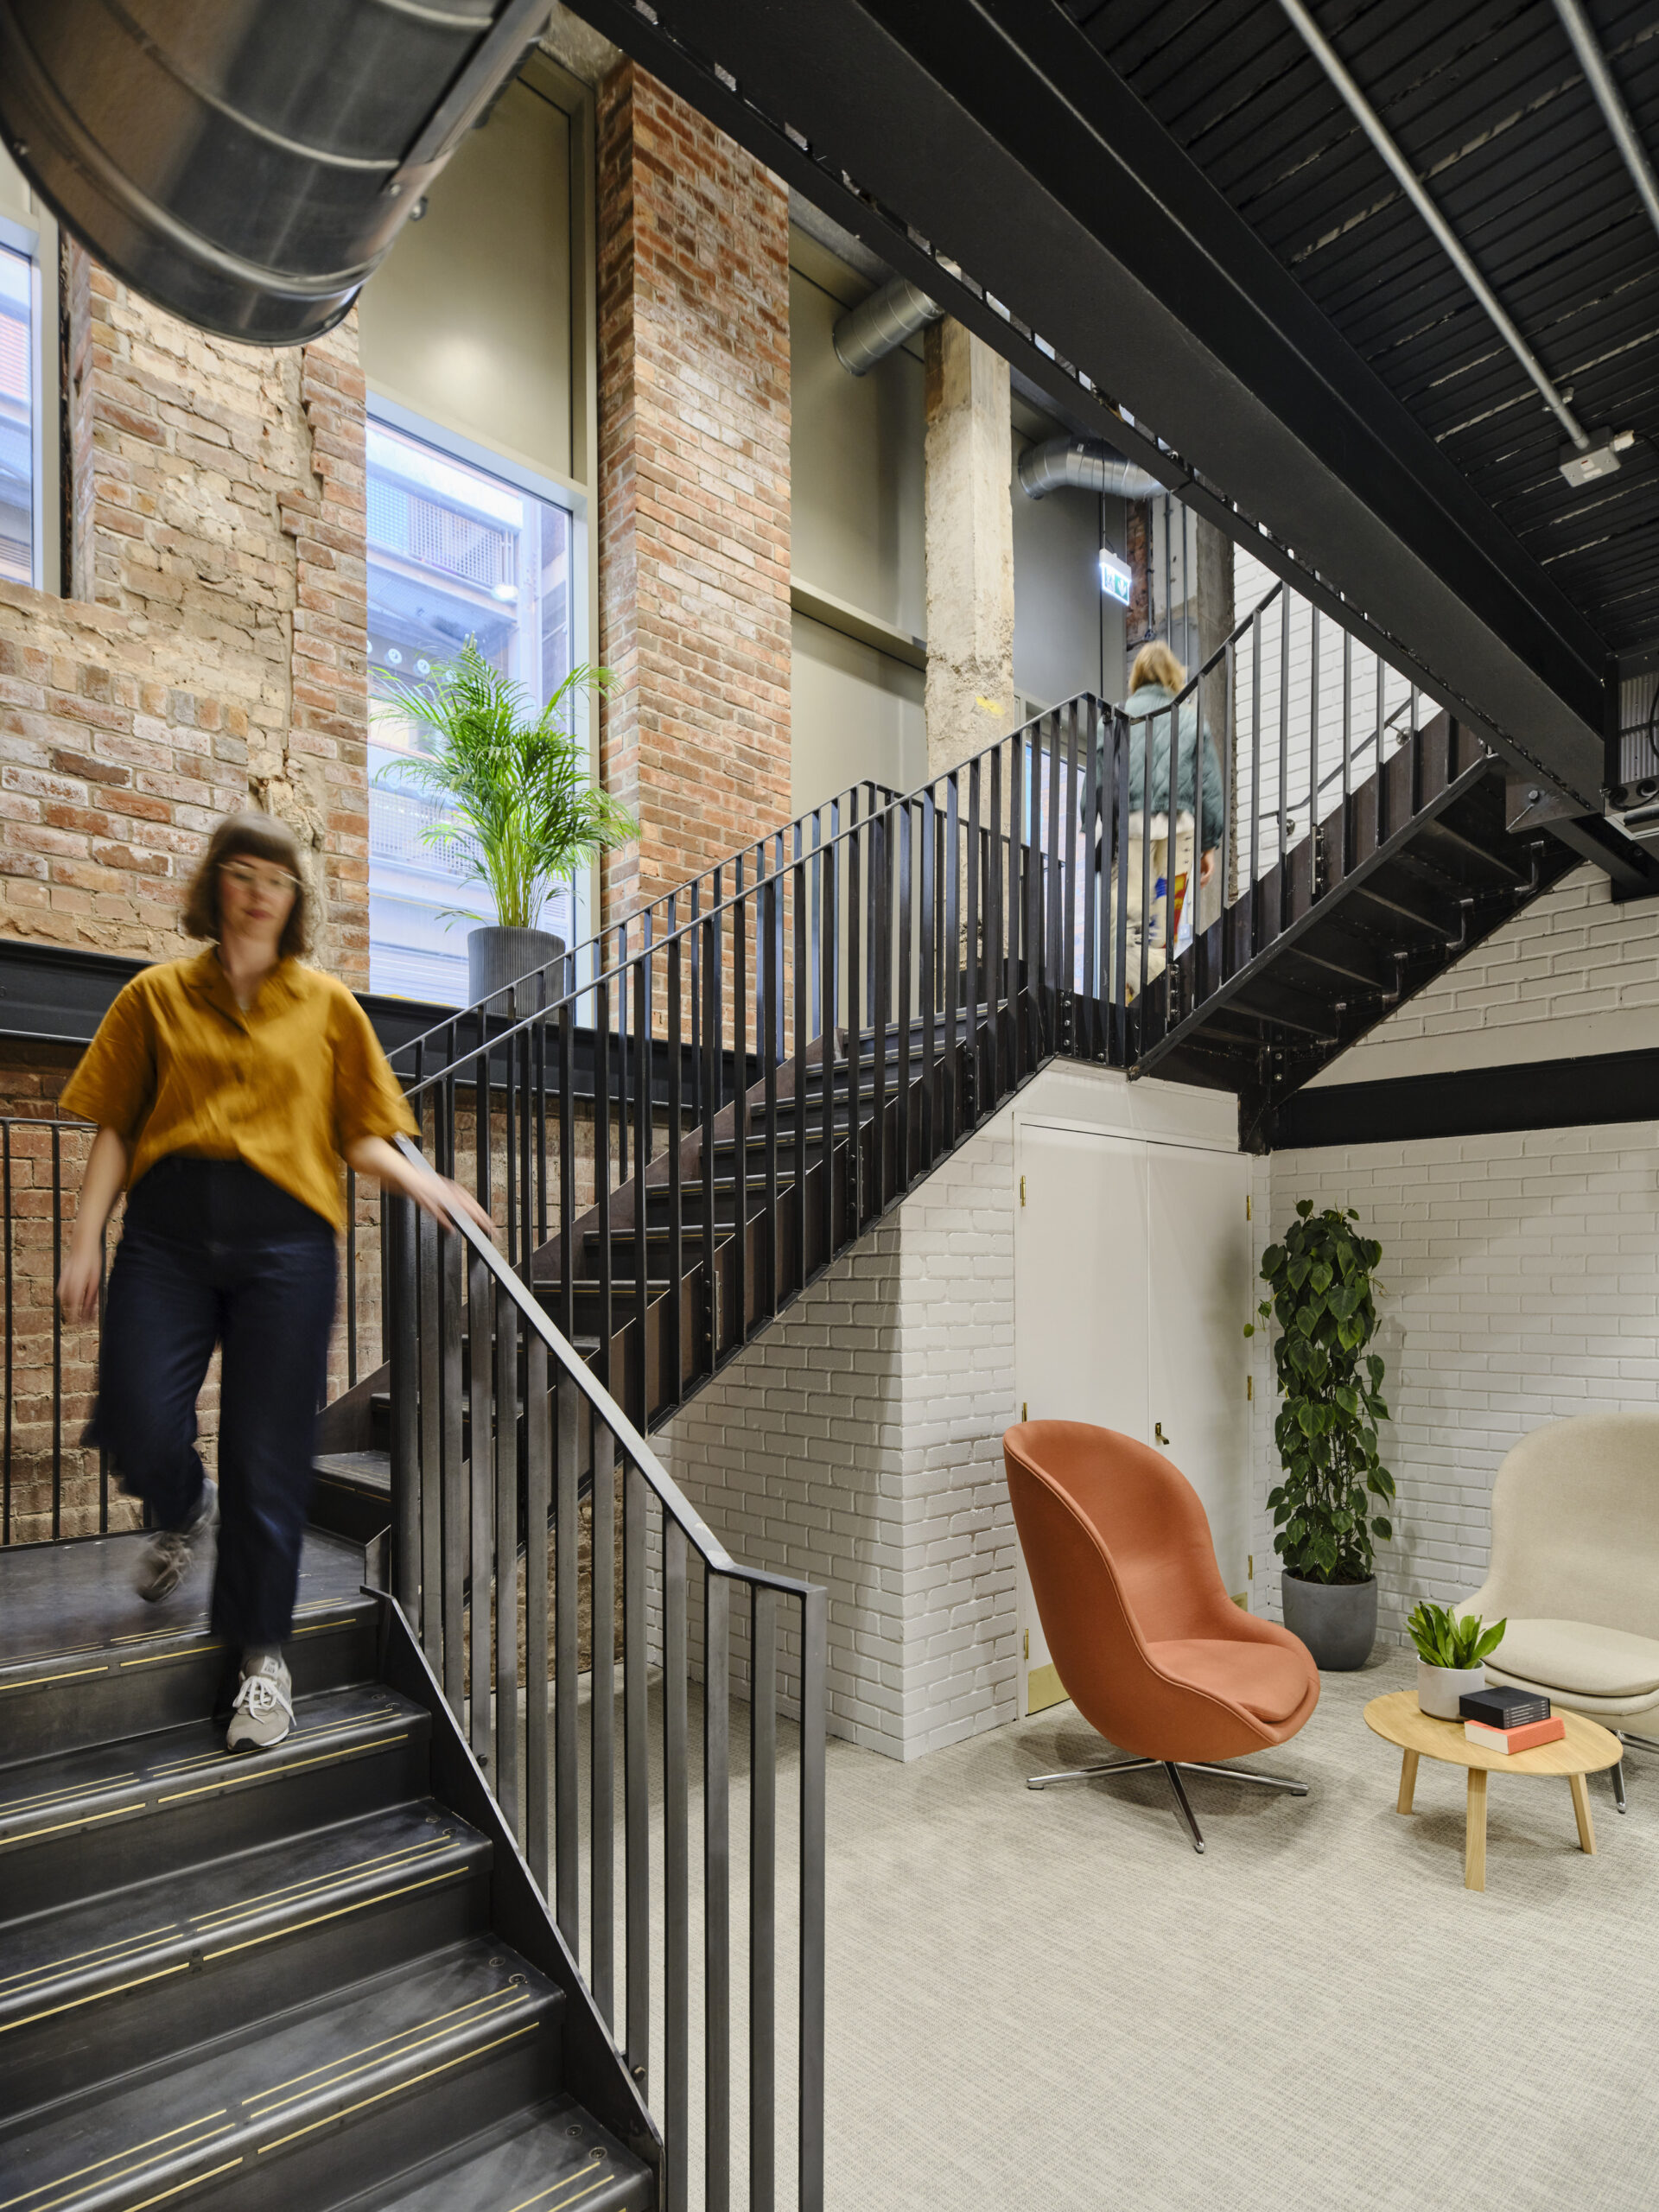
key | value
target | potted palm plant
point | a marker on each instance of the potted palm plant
(1451, 1654)
(1319, 1281)
(521, 811)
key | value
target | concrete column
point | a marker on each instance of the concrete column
(969, 537)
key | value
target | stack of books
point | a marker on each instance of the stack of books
(1510, 1720)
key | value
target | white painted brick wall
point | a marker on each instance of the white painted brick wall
(1520, 1284)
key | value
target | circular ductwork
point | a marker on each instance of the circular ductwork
(246, 164)
(879, 325)
(1079, 465)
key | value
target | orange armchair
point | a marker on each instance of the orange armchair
(1152, 1650)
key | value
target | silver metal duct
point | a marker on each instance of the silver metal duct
(1599, 78)
(248, 165)
(879, 325)
(1079, 465)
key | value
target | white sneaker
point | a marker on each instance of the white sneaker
(264, 1712)
(167, 1557)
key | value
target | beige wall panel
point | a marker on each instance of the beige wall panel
(855, 467)
(853, 713)
(467, 320)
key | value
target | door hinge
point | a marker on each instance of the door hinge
(1022, 1410)
(1246, 1205)
(1250, 1389)
(1028, 1643)
(1022, 1190)
(1249, 1566)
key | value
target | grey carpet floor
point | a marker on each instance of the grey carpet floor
(1043, 2001)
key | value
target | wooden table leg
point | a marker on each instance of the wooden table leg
(1474, 1834)
(1581, 1807)
(1407, 1781)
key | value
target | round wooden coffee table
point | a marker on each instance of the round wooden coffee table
(1587, 1748)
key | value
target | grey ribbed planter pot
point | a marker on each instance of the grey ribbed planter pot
(1336, 1620)
(496, 958)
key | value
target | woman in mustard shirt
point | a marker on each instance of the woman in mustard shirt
(227, 1089)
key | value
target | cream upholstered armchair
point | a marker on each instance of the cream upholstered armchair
(1575, 1568)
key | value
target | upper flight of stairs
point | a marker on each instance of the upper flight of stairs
(1414, 869)
(279, 1983)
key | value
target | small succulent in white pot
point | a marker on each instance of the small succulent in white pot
(1451, 1656)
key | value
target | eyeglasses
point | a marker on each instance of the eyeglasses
(275, 882)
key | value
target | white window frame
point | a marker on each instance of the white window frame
(556, 491)
(37, 241)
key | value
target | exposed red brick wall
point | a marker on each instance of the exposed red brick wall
(215, 651)
(694, 485)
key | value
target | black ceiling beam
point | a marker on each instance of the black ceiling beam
(991, 133)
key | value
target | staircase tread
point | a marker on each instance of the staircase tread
(372, 1470)
(67, 1790)
(58, 1960)
(67, 1600)
(533, 2164)
(204, 2111)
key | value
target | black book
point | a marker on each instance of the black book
(1500, 1706)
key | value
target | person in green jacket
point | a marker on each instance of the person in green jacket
(1155, 681)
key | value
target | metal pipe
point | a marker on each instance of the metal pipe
(1082, 465)
(1371, 123)
(1611, 100)
(879, 325)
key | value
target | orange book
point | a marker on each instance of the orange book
(1516, 1739)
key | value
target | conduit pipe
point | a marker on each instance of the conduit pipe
(879, 325)
(1081, 465)
(1371, 123)
(1599, 78)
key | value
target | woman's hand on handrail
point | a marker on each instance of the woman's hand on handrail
(434, 1194)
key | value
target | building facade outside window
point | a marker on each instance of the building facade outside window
(456, 551)
(19, 534)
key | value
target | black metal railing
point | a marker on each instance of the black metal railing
(499, 1427)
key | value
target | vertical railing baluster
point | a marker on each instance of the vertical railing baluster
(763, 1897)
(948, 1112)
(828, 950)
(1120, 835)
(971, 1086)
(454, 1473)
(1172, 849)
(429, 1354)
(677, 1873)
(1381, 794)
(1347, 742)
(716, 1893)
(57, 1332)
(1256, 628)
(5, 1468)
(1020, 1059)
(602, 1172)
(567, 1543)
(925, 986)
(673, 1351)
(905, 961)
(996, 978)
(1284, 754)
(809, 2091)
(1067, 832)
(881, 999)
(769, 936)
(1313, 752)
(505, 1776)
(601, 1724)
(567, 1308)
(481, 1344)
(636, 1775)
(398, 1237)
(805, 985)
(709, 1084)
(1089, 858)
(538, 1510)
(854, 907)
(740, 1116)
(637, 1400)
(1227, 764)
(350, 1279)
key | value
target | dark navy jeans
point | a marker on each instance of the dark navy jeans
(213, 1253)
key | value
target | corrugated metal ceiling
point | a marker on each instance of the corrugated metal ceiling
(1489, 105)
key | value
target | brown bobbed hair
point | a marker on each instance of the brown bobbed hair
(1155, 664)
(254, 837)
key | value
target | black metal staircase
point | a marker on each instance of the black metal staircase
(317, 1978)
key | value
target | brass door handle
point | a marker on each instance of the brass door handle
(1158, 1433)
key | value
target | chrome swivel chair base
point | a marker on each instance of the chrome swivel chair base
(1172, 1769)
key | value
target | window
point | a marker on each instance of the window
(20, 561)
(455, 551)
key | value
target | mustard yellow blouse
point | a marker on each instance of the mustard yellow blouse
(286, 1086)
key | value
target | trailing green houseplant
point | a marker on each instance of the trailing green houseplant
(1321, 1296)
(521, 811)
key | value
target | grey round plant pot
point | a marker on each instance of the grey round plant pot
(1336, 1620)
(496, 958)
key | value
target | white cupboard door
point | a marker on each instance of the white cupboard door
(1200, 1294)
(1080, 1311)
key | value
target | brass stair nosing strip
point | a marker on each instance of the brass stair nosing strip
(194, 2182)
(270, 1774)
(80, 1821)
(295, 1890)
(69, 1675)
(172, 1768)
(358, 1904)
(61, 1796)
(96, 1996)
(529, 2203)
(514, 1989)
(98, 1951)
(184, 2127)
(166, 1658)
(481, 2050)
